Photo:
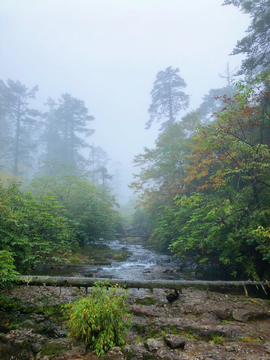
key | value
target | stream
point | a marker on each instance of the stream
(143, 264)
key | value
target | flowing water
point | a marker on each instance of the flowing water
(141, 265)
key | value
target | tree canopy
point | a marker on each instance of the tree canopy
(207, 191)
(167, 97)
(255, 45)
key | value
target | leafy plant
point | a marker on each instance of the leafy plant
(101, 319)
(218, 339)
(33, 227)
(7, 269)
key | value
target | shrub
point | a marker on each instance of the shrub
(7, 269)
(100, 319)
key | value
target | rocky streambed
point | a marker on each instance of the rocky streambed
(198, 325)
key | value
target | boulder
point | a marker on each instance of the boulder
(137, 351)
(154, 345)
(245, 315)
(222, 314)
(164, 354)
(114, 353)
(175, 341)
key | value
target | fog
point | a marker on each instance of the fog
(107, 53)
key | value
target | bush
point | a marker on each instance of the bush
(101, 319)
(7, 269)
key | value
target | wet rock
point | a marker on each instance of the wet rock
(20, 345)
(148, 311)
(267, 347)
(244, 315)
(114, 353)
(164, 354)
(168, 271)
(173, 296)
(175, 341)
(222, 314)
(154, 344)
(230, 348)
(137, 351)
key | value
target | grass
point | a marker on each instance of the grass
(217, 339)
(248, 338)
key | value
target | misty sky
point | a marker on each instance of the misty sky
(108, 52)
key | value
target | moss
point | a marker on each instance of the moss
(174, 330)
(153, 333)
(248, 338)
(189, 334)
(11, 304)
(145, 301)
(55, 349)
(139, 329)
(49, 310)
(149, 357)
(228, 319)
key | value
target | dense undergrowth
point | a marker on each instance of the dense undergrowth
(53, 220)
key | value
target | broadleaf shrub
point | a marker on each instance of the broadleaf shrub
(7, 269)
(101, 319)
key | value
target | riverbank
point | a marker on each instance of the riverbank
(204, 325)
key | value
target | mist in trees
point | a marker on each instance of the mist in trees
(202, 191)
(167, 97)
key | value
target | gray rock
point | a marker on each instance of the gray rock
(222, 313)
(114, 353)
(267, 347)
(136, 350)
(244, 315)
(175, 341)
(154, 344)
(163, 354)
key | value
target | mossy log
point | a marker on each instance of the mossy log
(145, 284)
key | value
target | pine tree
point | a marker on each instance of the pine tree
(73, 118)
(51, 136)
(167, 97)
(20, 120)
(256, 44)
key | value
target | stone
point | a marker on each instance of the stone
(114, 353)
(175, 341)
(244, 315)
(163, 354)
(222, 314)
(267, 347)
(136, 350)
(154, 344)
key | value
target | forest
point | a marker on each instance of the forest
(204, 188)
(202, 191)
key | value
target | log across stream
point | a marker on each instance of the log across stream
(145, 284)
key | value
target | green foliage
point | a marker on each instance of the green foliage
(33, 228)
(90, 211)
(7, 269)
(101, 319)
(218, 339)
(255, 44)
(208, 193)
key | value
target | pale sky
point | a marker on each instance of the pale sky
(108, 52)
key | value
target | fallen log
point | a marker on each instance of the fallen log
(145, 284)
